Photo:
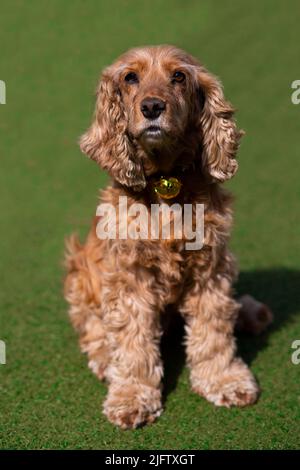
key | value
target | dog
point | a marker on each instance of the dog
(161, 119)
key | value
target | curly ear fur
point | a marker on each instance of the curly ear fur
(106, 141)
(220, 134)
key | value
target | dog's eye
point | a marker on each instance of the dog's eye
(178, 77)
(131, 78)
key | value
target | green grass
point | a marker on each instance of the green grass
(50, 57)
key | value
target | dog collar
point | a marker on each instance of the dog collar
(167, 187)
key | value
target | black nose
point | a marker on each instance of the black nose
(152, 107)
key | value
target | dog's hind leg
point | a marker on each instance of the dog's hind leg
(94, 344)
(82, 291)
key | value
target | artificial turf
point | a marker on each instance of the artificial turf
(50, 56)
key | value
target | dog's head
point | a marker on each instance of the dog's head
(153, 105)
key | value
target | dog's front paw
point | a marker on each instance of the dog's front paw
(235, 386)
(132, 405)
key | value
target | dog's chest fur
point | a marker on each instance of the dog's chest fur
(166, 265)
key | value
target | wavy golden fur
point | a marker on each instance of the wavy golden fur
(159, 111)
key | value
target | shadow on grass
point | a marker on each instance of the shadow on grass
(278, 288)
(173, 354)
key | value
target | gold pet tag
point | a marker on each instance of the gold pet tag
(167, 188)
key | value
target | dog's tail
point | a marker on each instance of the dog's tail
(75, 270)
(72, 249)
(254, 316)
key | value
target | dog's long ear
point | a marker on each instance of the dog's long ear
(220, 136)
(106, 140)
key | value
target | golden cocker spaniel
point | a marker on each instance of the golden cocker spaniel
(161, 118)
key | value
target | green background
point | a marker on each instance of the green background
(51, 53)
